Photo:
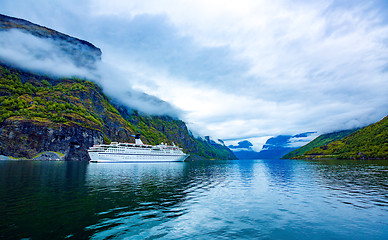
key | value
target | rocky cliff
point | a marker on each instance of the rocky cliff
(47, 117)
(31, 139)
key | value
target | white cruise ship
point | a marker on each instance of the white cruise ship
(136, 152)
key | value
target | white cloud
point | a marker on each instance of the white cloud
(300, 141)
(311, 64)
(38, 54)
(45, 56)
(257, 143)
(242, 69)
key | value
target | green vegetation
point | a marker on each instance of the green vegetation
(58, 102)
(44, 102)
(151, 134)
(60, 155)
(157, 129)
(211, 151)
(318, 142)
(47, 102)
(75, 112)
(370, 142)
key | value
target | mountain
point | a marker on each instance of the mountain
(243, 145)
(45, 117)
(318, 142)
(275, 147)
(370, 142)
(244, 150)
(80, 52)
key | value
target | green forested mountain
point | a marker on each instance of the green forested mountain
(321, 140)
(68, 115)
(370, 142)
(63, 117)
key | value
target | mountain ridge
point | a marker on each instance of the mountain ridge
(370, 142)
(65, 116)
(275, 147)
(319, 141)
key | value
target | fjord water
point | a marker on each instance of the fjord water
(246, 199)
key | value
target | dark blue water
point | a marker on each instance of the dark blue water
(252, 199)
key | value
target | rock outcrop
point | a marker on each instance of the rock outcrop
(26, 139)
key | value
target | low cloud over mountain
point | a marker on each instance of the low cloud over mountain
(275, 147)
(45, 51)
(242, 70)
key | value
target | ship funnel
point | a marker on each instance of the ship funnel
(137, 139)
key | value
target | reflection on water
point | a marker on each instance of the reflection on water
(145, 197)
(40, 199)
(280, 172)
(347, 181)
(270, 199)
(134, 196)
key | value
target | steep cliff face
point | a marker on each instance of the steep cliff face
(67, 116)
(27, 138)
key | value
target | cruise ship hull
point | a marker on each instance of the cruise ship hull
(132, 157)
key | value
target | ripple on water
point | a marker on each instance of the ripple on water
(259, 199)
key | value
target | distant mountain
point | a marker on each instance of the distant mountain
(274, 148)
(370, 142)
(242, 145)
(44, 117)
(318, 142)
(244, 150)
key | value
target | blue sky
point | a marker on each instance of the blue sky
(246, 69)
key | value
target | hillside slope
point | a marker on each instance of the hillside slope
(321, 140)
(67, 116)
(370, 142)
(49, 117)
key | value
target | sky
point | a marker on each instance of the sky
(238, 70)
